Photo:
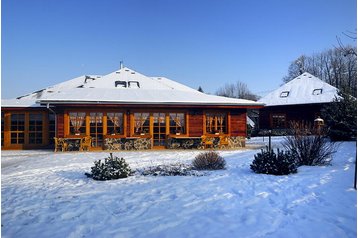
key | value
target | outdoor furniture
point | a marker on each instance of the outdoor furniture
(85, 143)
(60, 144)
(224, 142)
(207, 141)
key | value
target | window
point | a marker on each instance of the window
(216, 123)
(141, 123)
(77, 123)
(317, 91)
(177, 123)
(278, 121)
(133, 84)
(17, 128)
(120, 84)
(35, 129)
(96, 128)
(284, 94)
(114, 123)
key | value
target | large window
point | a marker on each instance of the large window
(141, 123)
(35, 129)
(278, 121)
(177, 123)
(77, 123)
(115, 123)
(17, 128)
(216, 123)
(96, 128)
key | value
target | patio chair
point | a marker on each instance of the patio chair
(60, 144)
(224, 142)
(207, 141)
(85, 143)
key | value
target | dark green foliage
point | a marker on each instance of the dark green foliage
(209, 161)
(309, 146)
(341, 117)
(111, 168)
(268, 162)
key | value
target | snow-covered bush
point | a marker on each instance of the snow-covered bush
(170, 170)
(111, 168)
(267, 162)
(309, 145)
(209, 161)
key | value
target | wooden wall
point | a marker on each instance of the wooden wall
(196, 123)
(306, 112)
(195, 120)
(60, 125)
(238, 122)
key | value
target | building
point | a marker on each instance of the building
(301, 99)
(123, 110)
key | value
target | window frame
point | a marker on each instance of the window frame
(216, 122)
(282, 124)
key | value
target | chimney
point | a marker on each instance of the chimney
(121, 65)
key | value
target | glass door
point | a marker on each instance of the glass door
(159, 129)
(96, 128)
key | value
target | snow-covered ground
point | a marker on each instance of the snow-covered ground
(46, 194)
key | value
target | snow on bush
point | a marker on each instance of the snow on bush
(111, 168)
(309, 145)
(267, 162)
(209, 161)
(170, 170)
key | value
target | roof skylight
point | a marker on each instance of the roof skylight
(120, 84)
(284, 94)
(133, 84)
(317, 91)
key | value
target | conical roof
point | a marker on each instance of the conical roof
(304, 89)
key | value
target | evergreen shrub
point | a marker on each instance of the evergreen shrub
(111, 168)
(209, 161)
(268, 162)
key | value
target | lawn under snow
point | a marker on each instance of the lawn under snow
(46, 194)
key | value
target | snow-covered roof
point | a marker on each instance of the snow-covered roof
(250, 122)
(304, 89)
(30, 100)
(124, 86)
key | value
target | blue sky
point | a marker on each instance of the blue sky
(207, 43)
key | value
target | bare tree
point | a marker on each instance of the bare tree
(347, 49)
(332, 66)
(236, 90)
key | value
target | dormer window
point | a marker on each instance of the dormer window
(120, 84)
(284, 94)
(317, 91)
(133, 84)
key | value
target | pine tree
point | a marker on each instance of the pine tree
(341, 117)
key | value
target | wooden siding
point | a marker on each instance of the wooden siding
(306, 113)
(238, 123)
(60, 125)
(196, 123)
(195, 120)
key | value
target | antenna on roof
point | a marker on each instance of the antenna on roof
(121, 65)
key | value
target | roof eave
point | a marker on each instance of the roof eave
(59, 102)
